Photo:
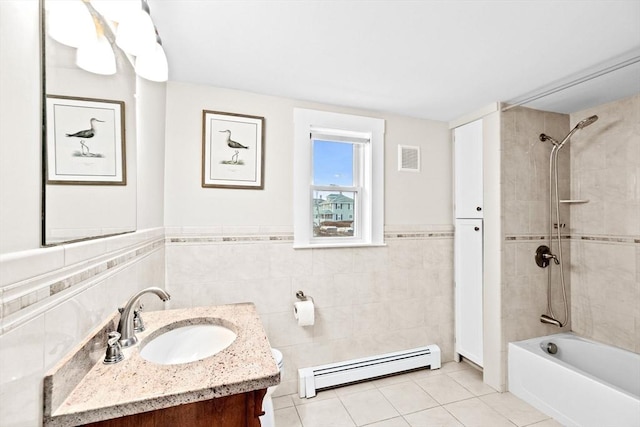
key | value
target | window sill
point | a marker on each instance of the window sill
(337, 245)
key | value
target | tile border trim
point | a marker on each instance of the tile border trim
(593, 238)
(289, 237)
(21, 297)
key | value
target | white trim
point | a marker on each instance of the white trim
(372, 220)
(475, 115)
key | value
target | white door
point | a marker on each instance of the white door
(467, 142)
(468, 293)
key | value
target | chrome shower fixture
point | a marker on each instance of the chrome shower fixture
(550, 321)
(581, 124)
(544, 137)
(543, 253)
(586, 122)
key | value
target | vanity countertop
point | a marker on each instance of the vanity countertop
(136, 385)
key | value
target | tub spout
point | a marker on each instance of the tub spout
(550, 320)
(125, 326)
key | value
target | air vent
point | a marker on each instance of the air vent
(408, 158)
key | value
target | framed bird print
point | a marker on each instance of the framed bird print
(85, 141)
(232, 150)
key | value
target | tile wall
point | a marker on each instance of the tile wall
(368, 300)
(51, 298)
(605, 245)
(600, 164)
(525, 221)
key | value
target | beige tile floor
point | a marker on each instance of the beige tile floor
(451, 396)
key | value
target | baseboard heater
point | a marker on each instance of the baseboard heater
(334, 374)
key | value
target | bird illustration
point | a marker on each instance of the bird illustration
(233, 144)
(85, 134)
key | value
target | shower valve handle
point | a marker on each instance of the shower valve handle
(553, 257)
(543, 255)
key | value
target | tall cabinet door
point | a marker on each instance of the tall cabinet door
(468, 291)
(468, 240)
(468, 170)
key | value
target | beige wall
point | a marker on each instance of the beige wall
(605, 262)
(525, 204)
(410, 198)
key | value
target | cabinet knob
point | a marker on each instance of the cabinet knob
(478, 208)
(476, 228)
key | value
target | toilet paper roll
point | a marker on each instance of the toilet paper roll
(304, 312)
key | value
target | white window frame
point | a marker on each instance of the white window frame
(370, 220)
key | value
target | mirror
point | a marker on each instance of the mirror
(89, 145)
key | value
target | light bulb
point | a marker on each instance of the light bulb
(136, 33)
(152, 65)
(116, 11)
(69, 22)
(96, 56)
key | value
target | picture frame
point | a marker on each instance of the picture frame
(232, 150)
(85, 141)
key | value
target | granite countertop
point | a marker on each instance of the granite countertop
(136, 385)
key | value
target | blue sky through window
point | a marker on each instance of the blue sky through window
(332, 163)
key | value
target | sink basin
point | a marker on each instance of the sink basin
(187, 344)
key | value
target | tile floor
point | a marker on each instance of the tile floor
(451, 396)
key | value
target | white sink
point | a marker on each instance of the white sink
(187, 344)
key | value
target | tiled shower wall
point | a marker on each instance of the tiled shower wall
(51, 298)
(368, 300)
(600, 165)
(605, 245)
(525, 221)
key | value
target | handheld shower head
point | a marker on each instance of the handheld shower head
(581, 124)
(586, 122)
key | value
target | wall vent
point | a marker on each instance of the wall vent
(408, 158)
(335, 374)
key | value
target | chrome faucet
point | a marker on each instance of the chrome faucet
(125, 326)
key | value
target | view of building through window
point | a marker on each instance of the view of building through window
(333, 213)
(334, 190)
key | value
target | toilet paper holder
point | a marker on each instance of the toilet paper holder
(302, 297)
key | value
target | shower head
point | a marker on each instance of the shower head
(586, 122)
(581, 124)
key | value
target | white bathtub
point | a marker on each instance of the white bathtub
(584, 384)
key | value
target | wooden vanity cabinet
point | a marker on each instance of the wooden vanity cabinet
(238, 410)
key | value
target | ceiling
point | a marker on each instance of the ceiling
(430, 59)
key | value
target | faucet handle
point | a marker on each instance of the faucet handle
(114, 352)
(113, 338)
(138, 324)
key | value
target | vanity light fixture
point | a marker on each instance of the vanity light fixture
(152, 65)
(136, 33)
(69, 22)
(98, 28)
(96, 55)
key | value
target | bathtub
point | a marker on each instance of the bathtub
(584, 384)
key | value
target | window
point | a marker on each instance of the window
(339, 179)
